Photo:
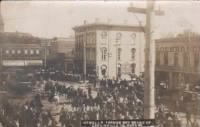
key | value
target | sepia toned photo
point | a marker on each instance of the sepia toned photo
(99, 63)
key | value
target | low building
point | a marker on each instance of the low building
(177, 60)
(113, 51)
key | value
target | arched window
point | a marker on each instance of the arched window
(133, 50)
(103, 70)
(133, 36)
(103, 53)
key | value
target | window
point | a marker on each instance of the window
(157, 58)
(103, 34)
(119, 50)
(166, 58)
(31, 52)
(37, 51)
(133, 36)
(18, 51)
(176, 59)
(7, 51)
(185, 59)
(118, 70)
(13, 51)
(196, 59)
(118, 37)
(103, 54)
(182, 49)
(25, 51)
(133, 50)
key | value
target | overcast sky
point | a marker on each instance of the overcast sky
(57, 18)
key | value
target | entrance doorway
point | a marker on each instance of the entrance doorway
(103, 70)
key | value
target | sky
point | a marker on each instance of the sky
(57, 18)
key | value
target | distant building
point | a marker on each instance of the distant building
(177, 59)
(111, 50)
(63, 49)
(21, 50)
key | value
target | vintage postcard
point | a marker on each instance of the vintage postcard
(99, 63)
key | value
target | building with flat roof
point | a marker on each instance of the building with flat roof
(21, 50)
(111, 50)
(177, 59)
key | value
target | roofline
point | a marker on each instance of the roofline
(178, 39)
(110, 27)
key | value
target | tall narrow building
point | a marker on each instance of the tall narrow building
(1, 21)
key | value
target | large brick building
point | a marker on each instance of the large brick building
(177, 59)
(111, 50)
(21, 50)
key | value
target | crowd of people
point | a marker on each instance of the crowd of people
(106, 99)
(114, 99)
(29, 114)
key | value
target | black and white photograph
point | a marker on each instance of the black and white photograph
(103, 63)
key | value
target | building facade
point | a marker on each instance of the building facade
(18, 50)
(63, 48)
(111, 51)
(177, 60)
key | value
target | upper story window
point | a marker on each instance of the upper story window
(7, 51)
(31, 52)
(103, 34)
(157, 58)
(18, 51)
(196, 59)
(118, 37)
(37, 51)
(13, 51)
(103, 54)
(133, 50)
(176, 59)
(133, 36)
(25, 51)
(119, 50)
(166, 58)
(186, 59)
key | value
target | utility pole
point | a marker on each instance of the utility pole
(149, 94)
(84, 56)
